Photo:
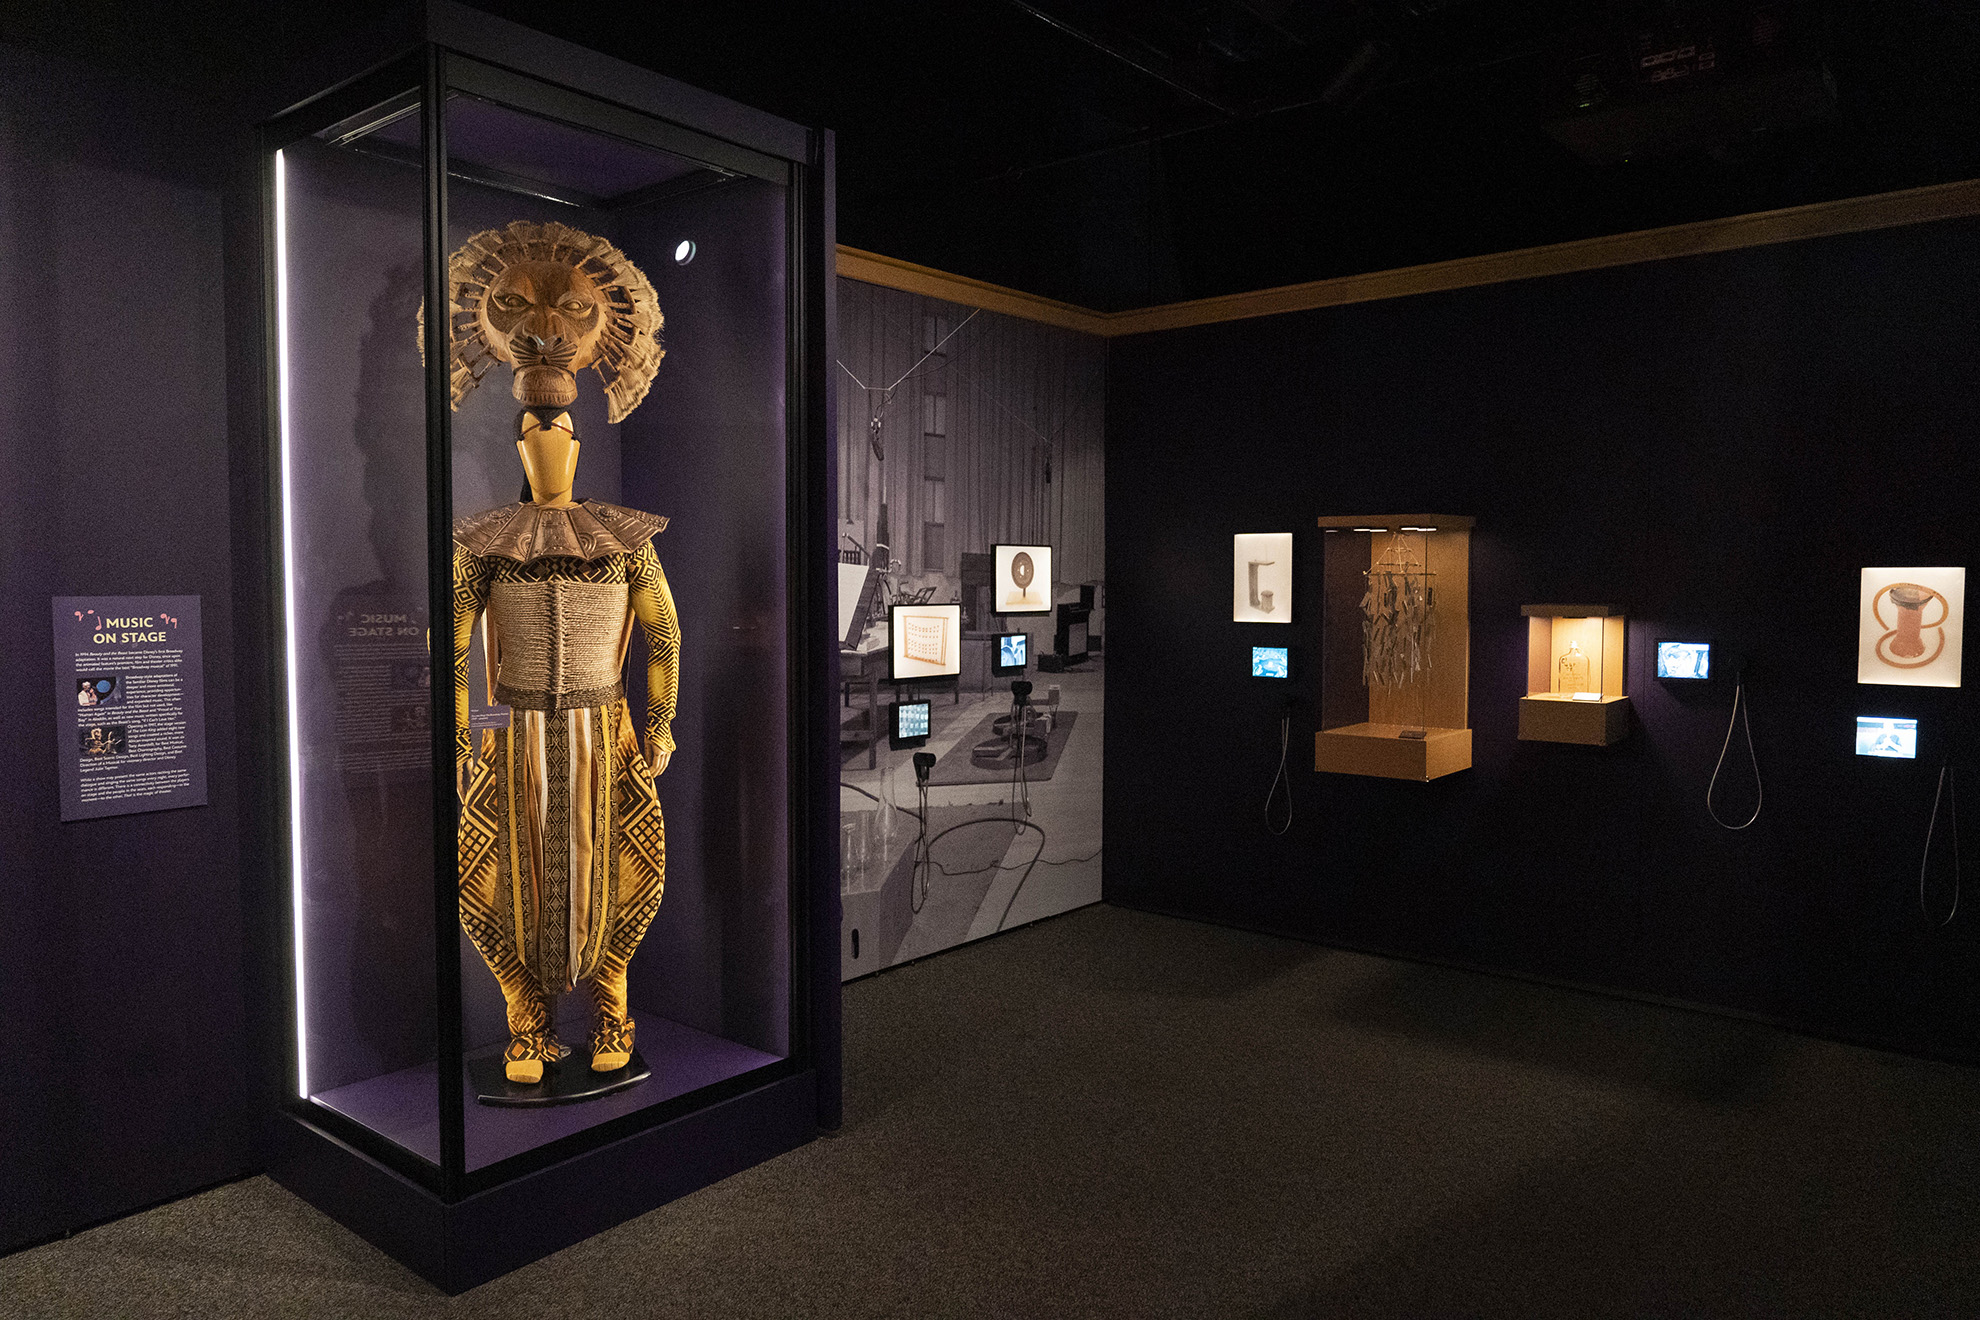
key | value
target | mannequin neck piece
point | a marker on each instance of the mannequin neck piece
(549, 454)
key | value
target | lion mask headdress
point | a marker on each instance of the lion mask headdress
(549, 301)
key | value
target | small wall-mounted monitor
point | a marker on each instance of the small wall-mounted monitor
(1271, 662)
(1021, 581)
(911, 723)
(1877, 735)
(1012, 651)
(1684, 660)
(927, 641)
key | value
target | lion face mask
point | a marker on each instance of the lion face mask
(549, 301)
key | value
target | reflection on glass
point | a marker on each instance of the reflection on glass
(350, 399)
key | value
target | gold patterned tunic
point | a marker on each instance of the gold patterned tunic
(562, 849)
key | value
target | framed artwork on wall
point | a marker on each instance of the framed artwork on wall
(1261, 577)
(1021, 580)
(927, 641)
(1909, 626)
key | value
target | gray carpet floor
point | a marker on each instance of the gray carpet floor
(1115, 1114)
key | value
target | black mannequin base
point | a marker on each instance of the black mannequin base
(565, 1083)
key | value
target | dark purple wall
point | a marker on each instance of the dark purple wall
(121, 939)
(1717, 444)
(707, 450)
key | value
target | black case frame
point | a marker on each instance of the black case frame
(455, 1226)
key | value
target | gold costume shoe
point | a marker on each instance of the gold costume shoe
(528, 1054)
(611, 1045)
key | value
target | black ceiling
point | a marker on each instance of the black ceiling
(1117, 153)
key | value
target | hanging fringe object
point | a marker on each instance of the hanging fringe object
(1398, 624)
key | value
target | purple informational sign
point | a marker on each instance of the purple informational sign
(130, 704)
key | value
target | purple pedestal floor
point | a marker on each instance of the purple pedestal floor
(405, 1106)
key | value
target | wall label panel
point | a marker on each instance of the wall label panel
(130, 710)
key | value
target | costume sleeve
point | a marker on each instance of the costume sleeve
(470, 597)
(653, 604)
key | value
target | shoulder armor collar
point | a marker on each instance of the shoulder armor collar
(528, 532)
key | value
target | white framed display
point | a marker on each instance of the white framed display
(1023, 579)
(1909, 626)
(1261, 577)
(926, 641)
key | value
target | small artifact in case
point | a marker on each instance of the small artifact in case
(1574, 675)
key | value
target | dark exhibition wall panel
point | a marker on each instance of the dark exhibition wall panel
(121, 937)
(1716, 446)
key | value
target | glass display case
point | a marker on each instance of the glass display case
(1395, 652)
(546, 338)
(1574, 675)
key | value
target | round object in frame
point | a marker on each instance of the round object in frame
(1022, 570)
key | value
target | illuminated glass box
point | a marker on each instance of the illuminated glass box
(1395, 655)
(468, 173)
(1574, 675)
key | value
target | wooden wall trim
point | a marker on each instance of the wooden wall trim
(1818, 220)
(1911, 206)
(888, 272)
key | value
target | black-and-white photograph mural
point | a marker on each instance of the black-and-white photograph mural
(962, 431)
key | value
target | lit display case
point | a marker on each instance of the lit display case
(552, 765)
(1395, 662)
(1574, 675)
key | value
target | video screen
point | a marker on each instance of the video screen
(911, 720)
(1684, 659)
(1271, 662)
(1012, 654)
(1878, 736)
(927, 641)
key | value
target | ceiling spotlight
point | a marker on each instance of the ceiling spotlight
(684, 252)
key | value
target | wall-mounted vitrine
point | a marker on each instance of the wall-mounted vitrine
(545, 355)
(1574, 675)
(1395, 646)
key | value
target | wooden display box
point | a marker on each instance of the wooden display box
(1598, 715)
(1381, 750)
(1363, 728)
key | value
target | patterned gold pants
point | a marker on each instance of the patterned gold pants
(563, 860)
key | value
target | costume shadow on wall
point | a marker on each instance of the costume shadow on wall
(386, 771)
